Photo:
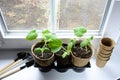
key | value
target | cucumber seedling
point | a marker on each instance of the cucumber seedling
(69, 47)
(51, 42)
(79, 32)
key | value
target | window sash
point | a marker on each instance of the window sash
(53, 14)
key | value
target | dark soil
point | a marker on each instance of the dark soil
(62, 61)
(62, 50)
(46, 54)
(81, 52)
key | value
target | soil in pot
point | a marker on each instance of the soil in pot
(81, 52)
(47, 54)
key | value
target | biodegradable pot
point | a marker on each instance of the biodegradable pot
(104, 55)
(80, 62)
(107, 43)
(101, 63)
(107, 52)
(42, 62)
(102, 58)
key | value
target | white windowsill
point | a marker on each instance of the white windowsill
(109, 72)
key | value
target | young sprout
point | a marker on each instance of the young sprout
(69, 47)
(79, 32)
(87, 42)
(51, 42)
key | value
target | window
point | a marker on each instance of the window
(60, 16)
(25, 14)
(29, 14)
(73, 13)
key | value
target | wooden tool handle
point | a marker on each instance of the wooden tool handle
(12, 65)
(10, 73)
(7, 66)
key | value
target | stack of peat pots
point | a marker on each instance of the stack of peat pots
(104, 51)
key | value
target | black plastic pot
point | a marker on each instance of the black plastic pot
(62, 69)
(62, 62)
(81, 69)
(44, 69)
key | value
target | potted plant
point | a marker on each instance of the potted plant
(63, 56)
(43, 51)
(82, 51)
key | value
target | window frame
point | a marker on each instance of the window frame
(9, 37)
(97, 33)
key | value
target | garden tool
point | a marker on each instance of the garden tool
(27, 64)
(20, 57)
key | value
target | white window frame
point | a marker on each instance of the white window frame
(15, 38)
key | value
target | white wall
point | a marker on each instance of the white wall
(113, 26)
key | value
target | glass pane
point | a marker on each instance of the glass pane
(72, 13)
(25, 14)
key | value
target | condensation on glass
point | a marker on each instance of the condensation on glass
(26, 14)
(72, 13)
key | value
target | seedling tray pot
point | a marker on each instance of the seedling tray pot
(62, 69)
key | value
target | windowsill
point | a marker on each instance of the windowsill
(63, 34)
(109, 72)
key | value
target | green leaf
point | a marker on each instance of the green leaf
(64, 54)
(90, 38)
(47, 35)
(55, 45)
(70, 45)
(43, 38)
(32, 31)
(84, 43)
(46, 49)
(37, 50)
(80, 31)
(32, 35)
(50, 36)
(44, 32)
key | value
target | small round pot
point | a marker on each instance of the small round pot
(102, 58)
(104, 55)
(62, 61)
(80, 62)
(107, 52)
(101, 63)
(107, 43)
(42, 62)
